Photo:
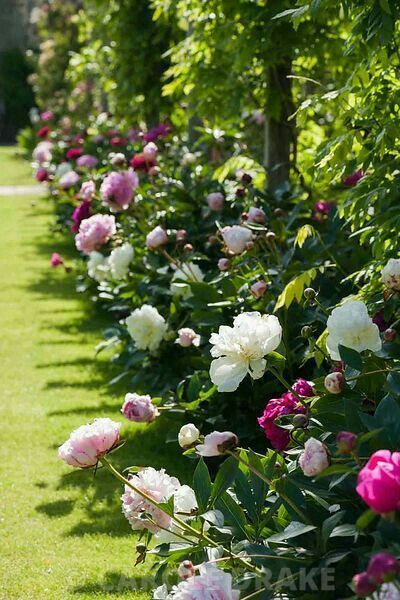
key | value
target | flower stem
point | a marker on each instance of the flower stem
(289, 387)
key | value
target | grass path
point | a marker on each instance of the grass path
(62, 533)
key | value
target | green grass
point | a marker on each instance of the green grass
(14, 171)
(62, 533)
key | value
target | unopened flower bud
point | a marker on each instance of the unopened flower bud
(314, 458)
(270, 236)
(181, 235)
(186, 569)
(256, 215)
(278, 212)
(249, 245)
(309, 293)
(188, 435)
(244, 216)
(240, 192)
(334, 383)
(156, 238)
(212, 239)
(300, 421)
(363, 585)
(246, 179)
(215, 201)
(389, 334)
(188, 248)
(306, 331)
(224, 264)
(259, 288)
(217, 442)
(141, 548)
(383, 567)
(346, 441)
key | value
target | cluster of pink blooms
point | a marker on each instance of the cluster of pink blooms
(118, 189)
(94, 232)
(87, 444)
(382, 568)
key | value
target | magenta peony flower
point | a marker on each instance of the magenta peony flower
(88, 190)
(321, 210)
(81, 212)
(87, 160)
(68, 180)
(94, 232)
(304, 388)
(379, 320)
(141, 162)
(363, 586)
(42, 174)
(74, 153)
(379, 482)
(278, 407)
(354, 178)
(44, 131)
(47, 115)
(383, 567)
(88, 443)
(139, 409)
(118, 141)
(118, 189)
(160, 130)
(56, 260)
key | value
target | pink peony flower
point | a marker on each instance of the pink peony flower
(142, 163)
(379, 320)
(256, 215)
(363, 586)
(304, 388)
(187, 337)
(42, 174)
(42, 152)
(379, 482)
(81, 212)
(88, 443)
(314, 458)
(150, 151)
(139, 409)
(224, 264)
(87, 160)
(156, 238)
(287, 404)
(74, 153)
(383, 567)
(118, 189)
(44, 131)
(117, 159)
(118, 141)
(211, 584)
(68, 180)
(236, 238)
(321, 210)
(354, 178)
(56, 259)
(47, 115)
(94, 232)
(88, 190)
(259, 288)
(215, 201)
(217, 442)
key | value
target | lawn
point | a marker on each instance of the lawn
(63, 534)
(14, 171)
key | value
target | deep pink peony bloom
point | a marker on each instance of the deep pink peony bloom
(139, 408)
(160, 130)
(379, 482)
(88, 443)
(43, 131)
(321, 210)
(363, 585)
(47, 115)
(142, 163)
(41, 174)
(383, 567)
(87, 160)
(304, 388)
(354, 178)
(278, 407)
(379, 320)
(118, 189)
(81, 212)
(73, 153)
(118, 141)
(56, 260)
(94, 232)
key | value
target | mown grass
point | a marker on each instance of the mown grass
(13, 170)
(62, 533)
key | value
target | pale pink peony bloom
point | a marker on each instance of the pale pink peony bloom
(150, 151)
(217, 443)
(259, 288)
(210, 584)
(68, 180)
(187, 337)
(379, 482)
(42, 152)
(314, 459)
(215, 201)
(156, 238)
(94, 232)
(224, 264)
(118, 189)
(256, 215)
(391, 274)
(88, 190)
(236, 238)
(87, 160)
(139, 409)
(160, 487)
(87, 444)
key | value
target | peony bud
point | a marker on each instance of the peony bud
(334, 383)
(389, 335)
(188, 248)
(300, 421)
(212, 239)
(383, 567)
(240, 192)
(118, 159)
(306, 331)
(215, 201)
(278, 212)
(187, 337)
(256, 215)
(188, 435)
(56, 259)
(304, 388)
(186, 569)
(270, 236)
(309, 293)
(314, 459)
(363, 586)
(346, 441)
(246, 179)
(181, 235)
(150, 151)
(259, 288)
(236, 238)
(224, 264)
(217, 443)
(139, 409)
(244, 216)
(156, 238)
(249, 245)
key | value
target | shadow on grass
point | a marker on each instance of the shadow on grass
(117, 584)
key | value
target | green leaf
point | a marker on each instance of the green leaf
(295, 288)
(232, 512)
(224, 478)
(366, 519)
(294, 529)
(303, 233)
(277, 361)
(351, 357)
(202, 485)
(393, 380)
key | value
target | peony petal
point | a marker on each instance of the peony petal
(227, 372)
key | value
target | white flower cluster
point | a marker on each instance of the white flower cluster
(116, 266)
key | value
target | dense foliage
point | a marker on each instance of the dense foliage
(244, 250)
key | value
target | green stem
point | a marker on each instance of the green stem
(289, 387)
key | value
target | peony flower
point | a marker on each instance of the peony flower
(321, 210)
(47, 115)
(42, 152)
(41, 174)
(186, 569)
(259, 288)
(117, 159)
(363, 585)
(97, 267)
(217, 443)
(74, 153)
(224, 264)
(94, 232)
(156, 238)
(314, 459)
(187, 337)
(387, 591)
(186, 272)
(351, 326)
(118, 189)
(160, 487)
(278, 407)
(81, 212)
(139, 409)
(88, 190)
(150, 151)
(256, 215)
(211, 584)
(354, 178)
(56, 259)
(68, 180)
(334, 382)
(236, 238)
(119, 261)
(378, 482)
(188, 435)
(383, 567)
(379, 320)
(146, 327)
(215, 201)
(304, 388)
(62, 169)
(44, 131)
(88, 443)
(87, 160)
(118, 140)
(391, 274)
(346, 441)
(240, 350)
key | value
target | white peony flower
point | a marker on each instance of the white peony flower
(388, 591)
(210, 584)
(391, 274)
(186, 272)
(185, 505)
(314, 458)
(236, 238)
(217, 442)
(97, 267)
(146, 327)
(119, 261)
(350, 325)
(188, 434)
(241, 349)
